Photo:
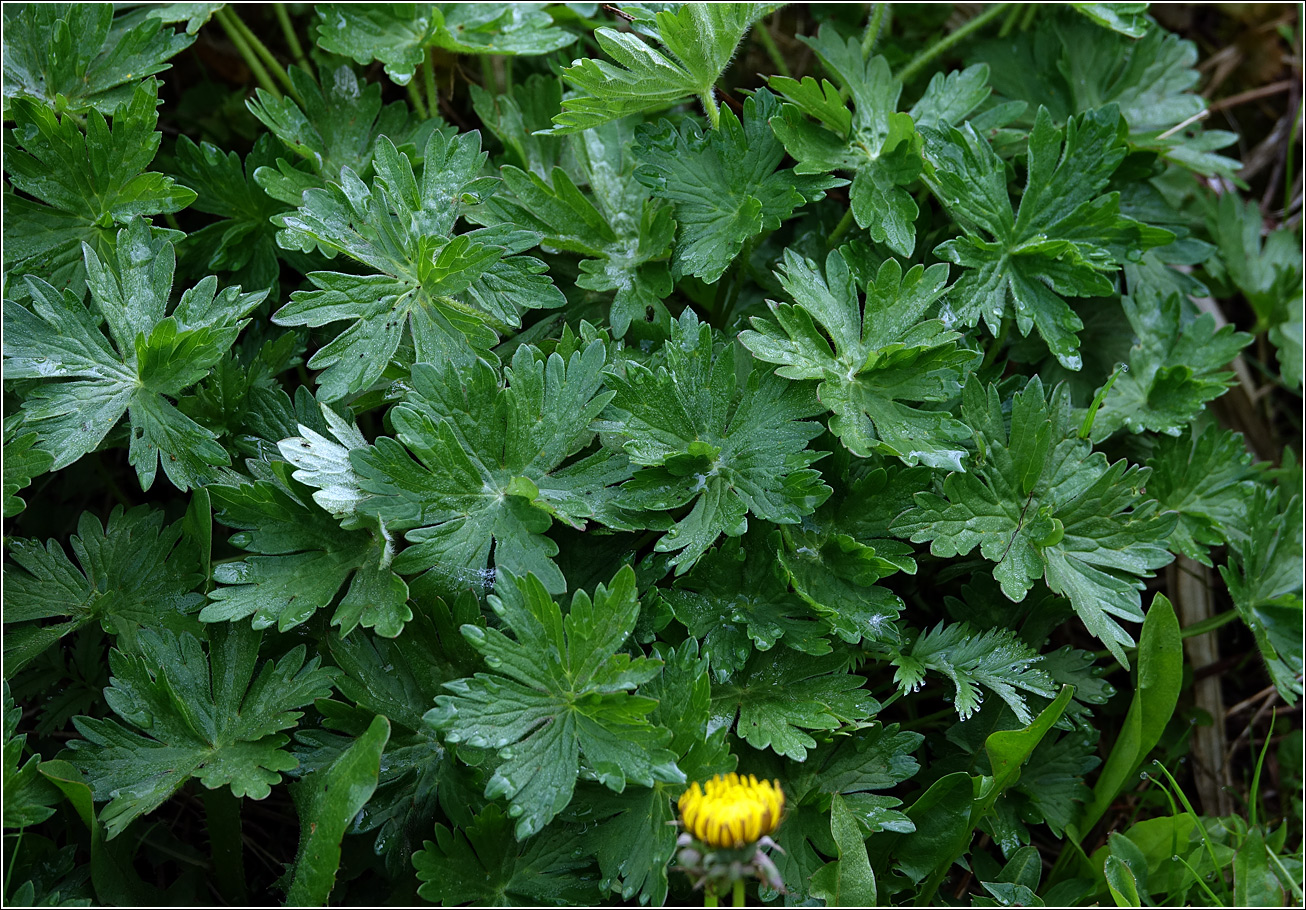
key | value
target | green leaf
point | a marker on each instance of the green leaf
(494, 466)
(624, 236)
(698, 40)
(880, 361)
(22, 461)
(734, 603)
(1126, 18)
(1066, 239)
(849, 882)
(1160, 673)
(995, 659)
(398, 34)
(1208, 479)
(130, 576)
(635, 843)
(28, 796)
(1039, 502)
(778, 697)
(560, 691)
(327, 801)
(74, 58)
(452, 294)
(1174, 369)
(700, 440)
(302, 561)
(82, 186)
(1071, 66)
(243, 239)
(726, 184)
(330, 128)
(152, 358)
(874, 142)
(1254, 883)
(207, 716)
(481, 865)
(1264, 579)
(1008, 750)
(942, 819)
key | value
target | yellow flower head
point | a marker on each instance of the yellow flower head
(731, 812)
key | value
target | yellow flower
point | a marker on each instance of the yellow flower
(731, 812)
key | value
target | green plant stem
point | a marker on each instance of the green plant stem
(415, 99)
(1010, 22)
(711, 108)
(1031, 10)
(842, 227)
(292, 39)
(260, 49)
(709, 897)
(878, 17)
(767, 41)
(737, 892)
(222, 813)
(9, 872)
(998, 342)
(1197, 628)
(921, 60)
(1293, 135)
(428, 82)
(251, 59)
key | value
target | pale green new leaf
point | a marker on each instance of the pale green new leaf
(207, 716)
(875, 363)
(1039, 503)
(558, 699)
(698, 40)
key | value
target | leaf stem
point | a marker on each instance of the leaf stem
(992, 353)
(921, 60)
(222, 812)
(767, 41)
(737, 892)
(415, 98)
(1010, 22)
(879, 15)
(428, 83)
(709, 897)
(260, 49)
(842, 227)
(292, 39)
(251, 59)
(710, 107)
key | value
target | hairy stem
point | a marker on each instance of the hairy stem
(292, 39)
(767, 41)
(261, 76)
(261, 51)
(879, 16)
(711, 108)
(222, 812)
(842, 227)
(921, 60)
(415, 99)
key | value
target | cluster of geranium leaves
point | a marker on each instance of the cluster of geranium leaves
(521, 468)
